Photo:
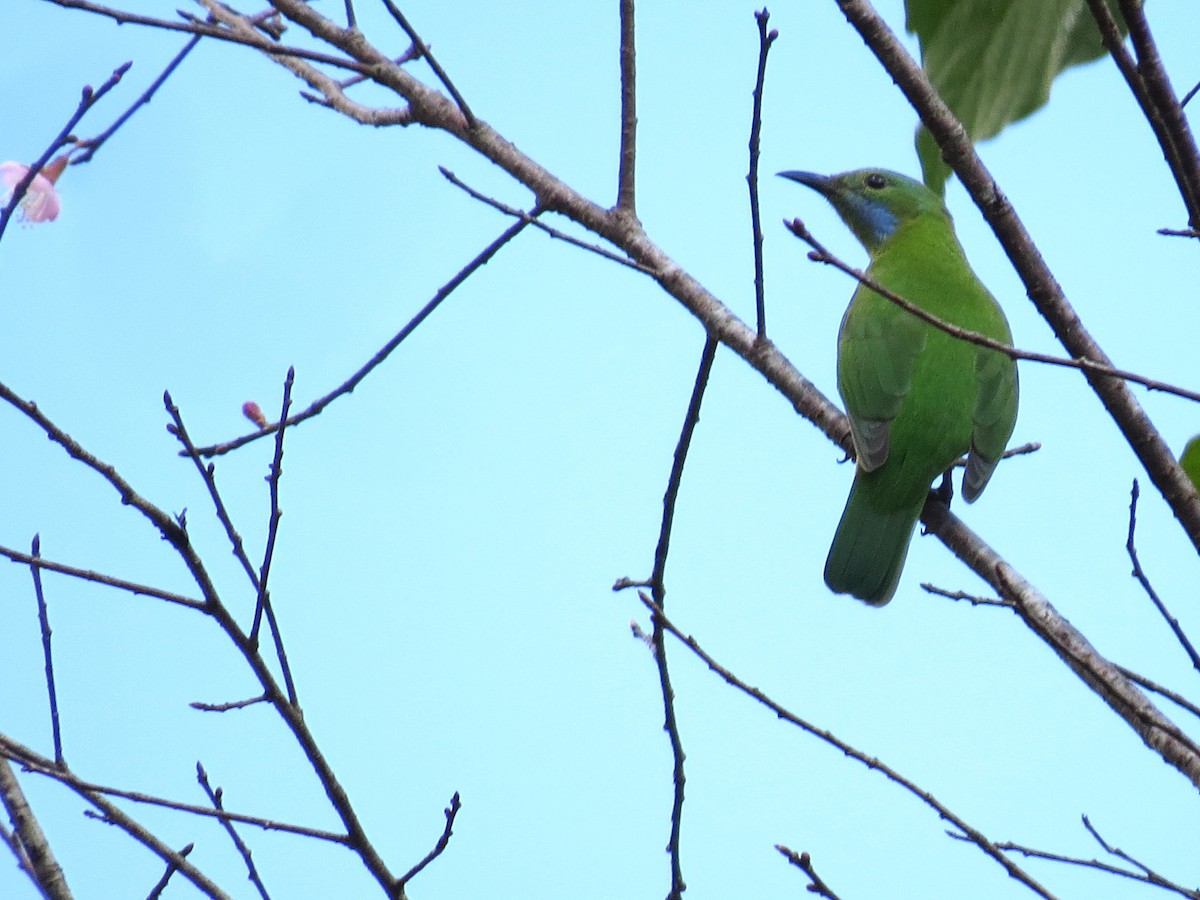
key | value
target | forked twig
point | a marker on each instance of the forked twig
(443, 842)
(1144, 581)
(315, 408)
(86, 101)
(803, 862)
(90, 146)
(423, 50)
(975, 836)
(263, 600)
(215, 796)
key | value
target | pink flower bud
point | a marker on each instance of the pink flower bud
(254, 413)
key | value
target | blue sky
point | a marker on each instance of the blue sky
(451, 530)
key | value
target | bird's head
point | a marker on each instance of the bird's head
(873, 202)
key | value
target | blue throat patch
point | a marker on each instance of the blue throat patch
(879, 220)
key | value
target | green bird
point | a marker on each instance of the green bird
(917, 398)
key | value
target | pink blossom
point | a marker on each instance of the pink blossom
(40, 203)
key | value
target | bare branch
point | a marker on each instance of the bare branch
(424, 53)
(443, 842)
(1146, 875)
(263, 601)
(1164, 111)
(1144, 581)
(765, 40)
(1154, 687)
(870, 762)
(132, 587)
(44, 625)
(35, 852)
(1088, 366)
(659, 591)
(803, 862)
(481, 259)
(34, 762)
(539, 225)
(251, 38)
(172, 868)
(1158, 732)
(215, 796)
(226, 707)
(974, 599)
(86, 101)
(627, 164)
(90, 146)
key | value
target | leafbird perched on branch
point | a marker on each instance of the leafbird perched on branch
(917, 398)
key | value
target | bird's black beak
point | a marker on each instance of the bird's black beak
(822, 184)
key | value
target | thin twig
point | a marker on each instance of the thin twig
(1145, 876)
(193, 25)
(822, 255)
(1021, 450)
(1187, 98)
(1144, 581)
(627, 163)
(803, 862)
(870, 762)
(974, 599)
(172, 868)
(765, 40)
(481, 259)
(423, 48)
(263, 601)
(87, 100)
(90, 146)
(36, 763)
(659, 591)
(132, 587)
(232, 704)
(174, 533)
(113, 815)
(541, 226)
(443, 842)
(208, 475)
(1176, 698)
(44, 625)
(1179, 145)
(215, 796)
(1131, 70)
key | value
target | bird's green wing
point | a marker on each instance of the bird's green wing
(993, 419)
(878, 348)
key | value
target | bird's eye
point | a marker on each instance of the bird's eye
(875, 181)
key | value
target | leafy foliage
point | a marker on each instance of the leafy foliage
(993, 61)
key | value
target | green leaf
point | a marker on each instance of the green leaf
(993, 61)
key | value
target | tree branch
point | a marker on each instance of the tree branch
(35, 849)
(871, 762)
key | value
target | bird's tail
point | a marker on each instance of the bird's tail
(870, 545)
